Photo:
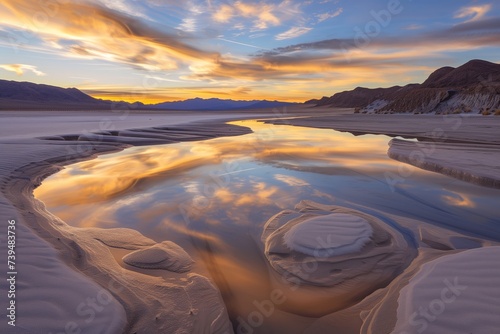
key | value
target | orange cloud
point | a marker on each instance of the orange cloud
(20, 69)
(457, 199)
(101, 33)
(223, 14)
(263, 15)
(473, 13)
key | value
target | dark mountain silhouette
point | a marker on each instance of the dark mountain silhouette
(27, 91)
(219, 104)
(16, 95)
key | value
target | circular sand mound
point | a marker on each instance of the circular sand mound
(334, 246)
(330, 235)
(166, 255)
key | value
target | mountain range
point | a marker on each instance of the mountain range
(218, 104)
(16, 95)
(472, 88)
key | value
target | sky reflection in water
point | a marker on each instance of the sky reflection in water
(214, 196)
(243, 177)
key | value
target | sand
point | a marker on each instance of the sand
(165, 255)
(471, 162)
(341, 234)
(453, 294)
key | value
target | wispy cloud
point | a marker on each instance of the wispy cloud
(473, 13)
(240, 43)
(124, 6)
(20, 69)
(413, 27)
(328, 15)
(188, 24)
(292, 33)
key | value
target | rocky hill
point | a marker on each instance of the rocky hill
(471, 88)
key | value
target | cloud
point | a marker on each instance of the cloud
(413, 27)
(188, 24)
(472, 34)
(473, 13)
(262, 15)
(239, 43)
(291, 180)
(124, 6)
(162, 94)
(20, 69)
(94, 31)
(457, 199)
(325, 16)
(223, 14)
(241, 90)
(292, 33)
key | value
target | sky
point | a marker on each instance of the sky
(168, 50)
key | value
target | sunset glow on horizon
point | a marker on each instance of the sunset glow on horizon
(164, 50)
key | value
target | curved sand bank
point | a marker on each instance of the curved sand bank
(55, 261)
(475, 163)
(453, 294)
